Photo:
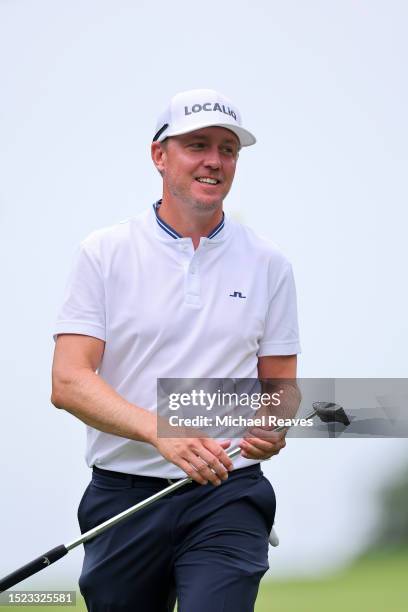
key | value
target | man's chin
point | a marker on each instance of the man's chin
(208, 202)
(207, 205)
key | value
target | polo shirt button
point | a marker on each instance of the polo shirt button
(193, 270)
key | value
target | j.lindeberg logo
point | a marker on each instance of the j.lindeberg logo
(237, 294)
(209, 106)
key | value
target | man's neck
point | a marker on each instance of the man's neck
(187, 222)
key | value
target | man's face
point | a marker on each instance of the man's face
(198, 168)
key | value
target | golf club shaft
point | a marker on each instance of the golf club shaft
(38, 564)
(60, 551)
(149, 500)
(143, 504)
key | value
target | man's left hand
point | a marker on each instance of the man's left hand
(262, 444)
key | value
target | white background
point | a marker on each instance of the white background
(323, 86)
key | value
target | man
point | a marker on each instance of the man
(180, 291)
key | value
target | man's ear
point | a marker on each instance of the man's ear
(158, 151)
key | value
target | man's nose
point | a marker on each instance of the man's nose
(213, 158)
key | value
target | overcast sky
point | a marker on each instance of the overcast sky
(323, 87)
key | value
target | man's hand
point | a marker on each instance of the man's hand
(202, 459)
(262, 443)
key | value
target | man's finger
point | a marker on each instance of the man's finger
(265, 434)
(261, 444)
(191, 472)
(218, 452)
(211, 466)
(261, 449)
(205, 470)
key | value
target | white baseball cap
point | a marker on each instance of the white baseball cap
(199, 108)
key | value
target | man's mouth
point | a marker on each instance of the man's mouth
(208, 180)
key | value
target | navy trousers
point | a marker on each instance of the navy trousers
(206, 546)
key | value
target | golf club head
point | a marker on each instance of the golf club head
(328, 412)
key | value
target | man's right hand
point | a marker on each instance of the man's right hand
(202, 459)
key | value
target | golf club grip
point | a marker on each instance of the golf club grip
(33, 567)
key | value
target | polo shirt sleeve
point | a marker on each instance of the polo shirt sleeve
(281, 334)
(83, 307)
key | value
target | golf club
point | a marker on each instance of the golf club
(327, 412)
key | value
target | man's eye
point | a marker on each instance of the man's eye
(229, 151)
(197, 145)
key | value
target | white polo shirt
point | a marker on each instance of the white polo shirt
(166, 310)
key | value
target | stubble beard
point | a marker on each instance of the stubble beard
(194, 203)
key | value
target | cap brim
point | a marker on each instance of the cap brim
(245, 138)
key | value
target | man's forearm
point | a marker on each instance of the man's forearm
(88, 397)
(285, 398)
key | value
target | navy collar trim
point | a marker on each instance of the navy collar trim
(167, 228)
(172, 232)
(217, 228)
